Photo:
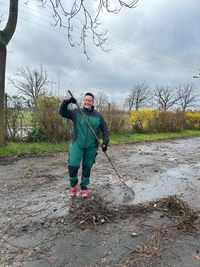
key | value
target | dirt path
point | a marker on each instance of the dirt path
(42, 226)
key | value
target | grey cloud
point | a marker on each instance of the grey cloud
(156, 42)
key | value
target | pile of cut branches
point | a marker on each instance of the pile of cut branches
(184, 220)
(90, 211)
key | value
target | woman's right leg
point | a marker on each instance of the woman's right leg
(75, 156)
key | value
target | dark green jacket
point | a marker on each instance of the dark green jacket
(82, 134)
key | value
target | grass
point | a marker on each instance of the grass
(45, 148)
(27, 149)
(136, 137)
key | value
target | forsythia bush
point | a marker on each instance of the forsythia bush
(143, 120)
(193, 120)
(157, 121)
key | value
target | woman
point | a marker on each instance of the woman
(84, 144)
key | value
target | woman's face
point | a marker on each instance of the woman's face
(88, 101)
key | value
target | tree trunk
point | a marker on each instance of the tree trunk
(2, 94)
(5, 37)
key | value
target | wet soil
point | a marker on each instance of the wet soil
(156, 226)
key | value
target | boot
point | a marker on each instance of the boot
(84, 192)
(73, 191)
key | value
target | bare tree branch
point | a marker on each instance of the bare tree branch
(64, 15)
(165, 97)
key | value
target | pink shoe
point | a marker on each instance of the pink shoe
(73, 191)
(84, 192)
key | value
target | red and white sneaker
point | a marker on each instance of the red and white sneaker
(84, 192)
(73, 191)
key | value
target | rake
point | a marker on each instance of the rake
(99, 143)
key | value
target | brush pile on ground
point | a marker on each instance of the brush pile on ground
(183, 217)
(92, 212)
(183, 220)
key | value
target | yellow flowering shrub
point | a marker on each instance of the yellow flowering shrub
(157, 121)
(193, 120)
(143, 120)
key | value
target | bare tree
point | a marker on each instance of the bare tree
(31, 83)
(138, 96)
(65, 15)
(187, 96)
(166, 97)
(5, 37)
(101, 101)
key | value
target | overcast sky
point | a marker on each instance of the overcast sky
(158, 42)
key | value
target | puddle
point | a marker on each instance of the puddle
(181, 181)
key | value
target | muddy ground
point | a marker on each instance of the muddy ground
(157, 226)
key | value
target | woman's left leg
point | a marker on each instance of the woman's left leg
(87, 162)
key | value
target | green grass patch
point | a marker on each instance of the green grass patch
(45, 148)
(136, 137)
(26, 149)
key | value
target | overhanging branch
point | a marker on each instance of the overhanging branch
(64, 16)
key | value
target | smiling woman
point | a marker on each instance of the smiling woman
(87, 125)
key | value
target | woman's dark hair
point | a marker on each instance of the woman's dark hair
(90, 94)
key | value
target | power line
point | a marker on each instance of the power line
(26, 6)
(118, 46)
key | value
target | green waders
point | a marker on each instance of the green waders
(87, 155)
